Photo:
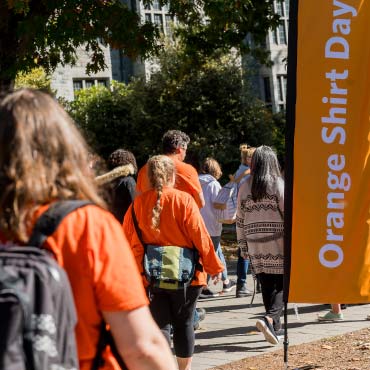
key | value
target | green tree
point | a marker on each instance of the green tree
(37, 78)
(48, 32)
(213, 104)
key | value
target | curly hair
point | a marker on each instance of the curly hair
(161, 170)
(212, 167)
(121, 157)
(43, 157)
(174, 139)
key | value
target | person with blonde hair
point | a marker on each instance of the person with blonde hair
(208, 178)
(43, 159)
(241, 175)
(169, 217)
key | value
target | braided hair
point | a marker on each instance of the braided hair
(161, 170)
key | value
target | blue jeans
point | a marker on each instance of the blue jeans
(241, 269)
(217, 245)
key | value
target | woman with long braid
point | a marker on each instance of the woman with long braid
(170, 217)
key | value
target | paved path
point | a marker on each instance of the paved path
(228, 333)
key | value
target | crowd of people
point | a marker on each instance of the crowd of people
(103, 246)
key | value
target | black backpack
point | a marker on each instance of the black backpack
(37, 312)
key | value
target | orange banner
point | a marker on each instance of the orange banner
(330, 244)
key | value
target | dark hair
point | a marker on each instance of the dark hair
(174, 139)
(265, 170)
(43, 157)
(121, 157)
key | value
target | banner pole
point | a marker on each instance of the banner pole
(289, 159)
(286, 339)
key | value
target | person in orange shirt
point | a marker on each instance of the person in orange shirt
(175, 144)
(174, 220)
(43, 158)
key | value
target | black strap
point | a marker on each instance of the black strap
(105, 339)
(136, 225)
(49, 221)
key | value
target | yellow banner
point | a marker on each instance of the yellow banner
(330, 251)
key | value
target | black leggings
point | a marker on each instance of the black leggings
(170, 308)
(272, 295)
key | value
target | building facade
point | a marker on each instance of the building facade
(269, 82)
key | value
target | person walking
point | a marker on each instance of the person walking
(240, 176)
(175, 144)
(334, 314)
(260, 232)
(43, 159)
(119, 182)
(210, 173)
(169, 217)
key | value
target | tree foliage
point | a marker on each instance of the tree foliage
(213, 105)
(37, 78)
(48, 32)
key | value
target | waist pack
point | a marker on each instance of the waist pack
(167, 267)
(225, 203)
(37, 310)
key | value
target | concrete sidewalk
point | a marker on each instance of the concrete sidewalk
(228, 332)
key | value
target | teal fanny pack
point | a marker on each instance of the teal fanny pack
(169, 267)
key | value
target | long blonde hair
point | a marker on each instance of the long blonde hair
(43, 157)
(161, 171)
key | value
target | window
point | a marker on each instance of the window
(156, 5)
(158, 21)
(80, 83)
(282, 86)
(280, 35)
(267, 89)
(77, 85)
(89, 83)
(102, 83)
(168, 25)
(158, 14)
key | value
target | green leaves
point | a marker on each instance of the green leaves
(211, 103)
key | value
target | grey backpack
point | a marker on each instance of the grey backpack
(37, 312)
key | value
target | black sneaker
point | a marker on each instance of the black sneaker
(206, 293)
(242, 291)
(228, 287)
(264, 326)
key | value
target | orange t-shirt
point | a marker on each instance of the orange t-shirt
(180, 224)
(91, 247)
(186, 179)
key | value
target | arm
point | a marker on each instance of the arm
(240, 236)
(139, 341)
(199, 199)
(198, 234)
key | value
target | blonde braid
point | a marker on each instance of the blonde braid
(160, 172)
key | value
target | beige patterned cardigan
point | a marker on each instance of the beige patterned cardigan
(260, 227)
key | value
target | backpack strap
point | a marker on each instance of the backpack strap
(136, 225)
(49, 221)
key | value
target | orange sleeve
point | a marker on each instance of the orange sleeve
(197, 230)
(142, 181)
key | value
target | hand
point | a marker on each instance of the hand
(216, 278)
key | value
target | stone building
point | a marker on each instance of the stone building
(270, 82)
